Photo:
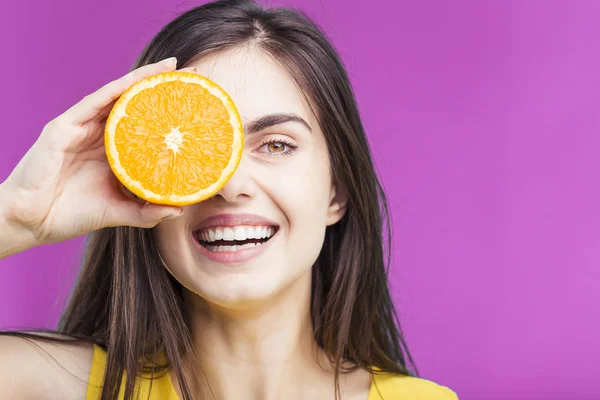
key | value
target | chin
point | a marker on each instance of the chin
(238, 291)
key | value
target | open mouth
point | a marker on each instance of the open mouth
(234, 238)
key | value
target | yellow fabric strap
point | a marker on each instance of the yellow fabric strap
(162, 388)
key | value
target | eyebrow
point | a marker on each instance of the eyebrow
(274, 119)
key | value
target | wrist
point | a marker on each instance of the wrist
(14, 237)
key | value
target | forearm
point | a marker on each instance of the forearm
(14, 238)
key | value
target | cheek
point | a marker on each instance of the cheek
(300, 188)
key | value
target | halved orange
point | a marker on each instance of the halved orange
(174, 138)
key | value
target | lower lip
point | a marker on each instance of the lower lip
(233, 257)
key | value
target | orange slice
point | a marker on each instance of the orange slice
(174, 138)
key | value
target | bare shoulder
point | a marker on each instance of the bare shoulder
(37, 369)
(402, 387)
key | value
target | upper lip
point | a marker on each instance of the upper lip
(233, 220)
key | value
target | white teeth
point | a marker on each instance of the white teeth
(220, 249)
(239, 233)
(228, 234)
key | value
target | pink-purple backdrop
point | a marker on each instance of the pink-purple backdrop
(484, 121)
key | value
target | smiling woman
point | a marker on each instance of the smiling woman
(273, 288)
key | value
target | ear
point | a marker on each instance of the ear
(338, 204)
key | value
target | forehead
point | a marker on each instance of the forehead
(255, 82)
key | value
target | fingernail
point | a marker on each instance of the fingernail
(169, 60)
(195, 70)
(173, 216)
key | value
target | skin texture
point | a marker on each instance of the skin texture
(250, 321)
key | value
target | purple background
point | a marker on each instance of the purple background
(483, 117)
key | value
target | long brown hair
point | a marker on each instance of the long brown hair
(126, 301)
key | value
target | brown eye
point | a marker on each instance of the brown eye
(276, 147)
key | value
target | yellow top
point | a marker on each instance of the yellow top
(384, 386)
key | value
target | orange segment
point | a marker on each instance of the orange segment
(174, 138)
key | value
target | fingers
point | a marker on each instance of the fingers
(189, 69)
(141, 215)
(105, 112)
(149, 215)
(97, 102)
(130, 210)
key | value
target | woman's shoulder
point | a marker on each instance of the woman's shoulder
(60, 369)
(388, 386)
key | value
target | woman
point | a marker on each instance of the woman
(169, 292)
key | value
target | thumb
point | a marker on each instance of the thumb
(145, 215)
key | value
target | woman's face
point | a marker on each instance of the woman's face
(277, 204)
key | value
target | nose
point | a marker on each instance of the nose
(241, 186)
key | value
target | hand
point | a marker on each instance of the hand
(63, 187)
